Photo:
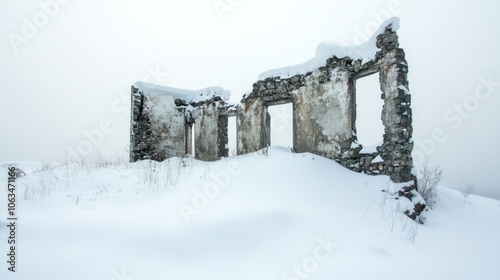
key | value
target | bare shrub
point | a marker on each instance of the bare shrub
(428, 181)
(148, 175)
(468, 189)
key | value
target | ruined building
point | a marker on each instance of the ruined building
(323, 94)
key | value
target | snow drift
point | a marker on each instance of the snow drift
(257, 216)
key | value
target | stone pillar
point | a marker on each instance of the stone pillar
(222, 136)
(397, 119)
(251, 123)
(136, 127)
(266, 129)
(206, 132)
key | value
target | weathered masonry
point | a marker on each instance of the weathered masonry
(323, 95)
(324, 115)
(163, 120)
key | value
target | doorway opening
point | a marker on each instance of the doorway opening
(231, 135)
(369, 104)
(281, 125)
(193, 140)
(189, 139)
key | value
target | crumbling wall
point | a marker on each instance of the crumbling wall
(393, 157)
(164, 119)
(157, 127)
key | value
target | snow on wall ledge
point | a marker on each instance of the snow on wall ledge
(364, 52)
(186, 95)
(323, 94)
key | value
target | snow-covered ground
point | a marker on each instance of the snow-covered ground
(276, 216)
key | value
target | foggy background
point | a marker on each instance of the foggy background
(67, 67)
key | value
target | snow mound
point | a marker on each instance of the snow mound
(187, 95)
(325, 50)
(275, 215)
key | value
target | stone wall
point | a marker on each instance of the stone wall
(163, 125)
(157, 127)
(209, 130)
(252, 128)
(322, 112)
(395, 152)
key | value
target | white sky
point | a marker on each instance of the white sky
(76, 69)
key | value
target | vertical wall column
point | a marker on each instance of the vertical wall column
(397, 119)
(136, 127)
(251, 123)
(223, 135)
(206, 130)
(266, 128)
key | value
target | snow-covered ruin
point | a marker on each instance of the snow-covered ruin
(323, 93)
